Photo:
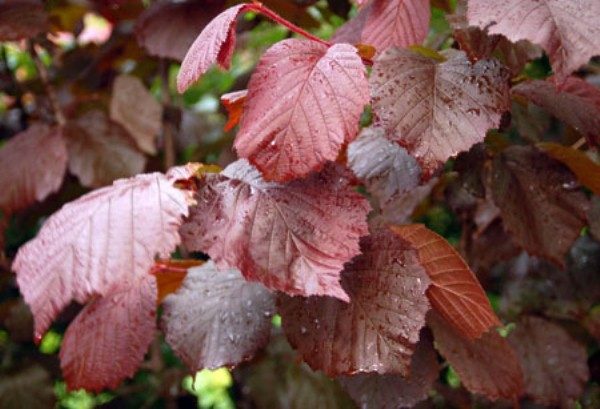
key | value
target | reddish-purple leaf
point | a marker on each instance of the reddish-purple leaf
(554, 364)
(22, 19)
(385, 168)
(567, 30)
(25, 181)
(168, 28)
(135, 109)
(486, 365)
(107, 341)
(101, 151)
(103, 238)
(388, 23)
(234, 103)
(400, 209)
(436, 109)
(217, 318)
(378, 329)
(544, 214)
(214, 45)
(374, 391)
(304, 102)
(292, 237)
(576, 102)
(455, 292)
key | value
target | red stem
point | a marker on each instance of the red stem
(260, 8)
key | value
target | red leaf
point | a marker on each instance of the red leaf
(100, 151)
(214, 45)
(393, 173)
(554, 364)
(170, 274)
(304, 103)
(378, 329)
(455, 292)
(388, 23)
(293, 238)
(434, 108)
(135, 109)
(107, 341)
(486, 365)
(21, 19)
(234, 103)
(394, 391)
(217, 318)
(576, 102)
(545, 215)
(25, 181)
(567, 30)
(168, 28)
(103, 238)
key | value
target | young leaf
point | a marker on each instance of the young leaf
(293, 238)
(455, 292)
(586, 170)
(567, 30)
(486, 365)
(214, 45)
(21, 19)
(103, 238)
(378, 329)
(25, 181)
(304, 103)
(217, 318)
(234, 104)
(108, 339)
(545, 215)
(388, 23)
(387, 169)
(554, 364)
(168, 28)
(374, 391)
(100, 151)
(434, 108)
(576, 102)
(135, 109)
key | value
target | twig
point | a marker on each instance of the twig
(580, 142)
(59, 115)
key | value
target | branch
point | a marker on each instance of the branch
(59, 115)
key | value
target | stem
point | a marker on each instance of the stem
(59, 115)
(260, 8)
(580, 142)
(169, 143)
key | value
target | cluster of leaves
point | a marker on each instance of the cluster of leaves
(343, 143)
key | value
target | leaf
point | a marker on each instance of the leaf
(455, 292)
(234, 104)
(31, 387)
(25, 181)
(545, 215)
(566, 30)
(304, 103)
(170, 274)
(108, 339)
(280, 381)
(388, 23)
(437, 109)
(400, 209)
(378, 329)
(105, 237)
(554, 364)
(21, 19)
(486, 365)
(217, 318)
(168, 28)
(214, 45)
(373, 391)
(135, 109)
(576, 102)
(393, 173)
(293, 238)
(100, 151)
